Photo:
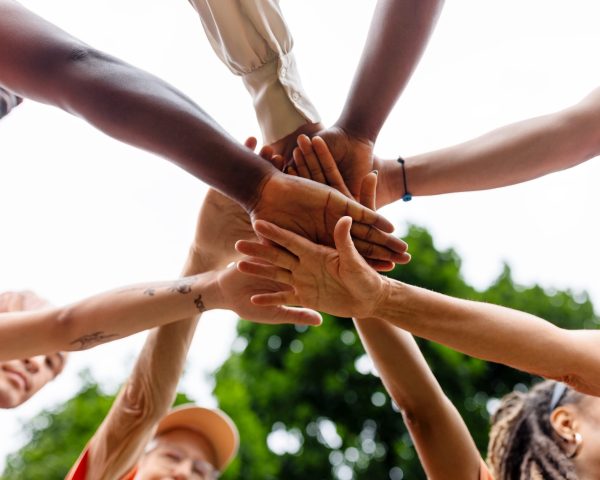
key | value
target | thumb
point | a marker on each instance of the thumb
(343, 240)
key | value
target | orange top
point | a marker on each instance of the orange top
(484, 473)
(79, 470)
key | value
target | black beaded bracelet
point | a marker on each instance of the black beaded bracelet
(407, 195)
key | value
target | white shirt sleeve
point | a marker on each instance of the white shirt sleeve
(252, 39)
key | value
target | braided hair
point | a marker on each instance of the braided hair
(523, 444)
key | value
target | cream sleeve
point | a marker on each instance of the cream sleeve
(252, 39)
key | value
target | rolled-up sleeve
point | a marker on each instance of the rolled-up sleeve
(8, 101)
(252, 39)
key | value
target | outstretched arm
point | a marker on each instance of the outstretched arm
(40, 61)
(438, 432)
(399, 32)
(148, 393)
(341, 283)
(506, 156)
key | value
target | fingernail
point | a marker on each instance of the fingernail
(376, 172)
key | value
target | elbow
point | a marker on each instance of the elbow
(64, 326)
(67, 69)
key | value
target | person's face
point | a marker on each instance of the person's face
(21, 379)
(588, 420)
(179, 454)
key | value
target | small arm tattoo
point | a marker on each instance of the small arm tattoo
(199, 304)
(182, 286)
(93, 339)
(150, 292)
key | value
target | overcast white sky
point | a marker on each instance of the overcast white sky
(82, 213)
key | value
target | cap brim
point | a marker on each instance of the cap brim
(215, 425)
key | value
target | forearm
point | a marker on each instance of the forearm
(512, 154)
(146, 396)
(489, 332)
(440, 435)
(42, 62)
(107, 316)
(397, 37)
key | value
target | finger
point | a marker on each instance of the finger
(292, 242)
(368, 217)
(270, 253)
(380, 265)
(251, 143)
(277, 161)
(342, 239)
(329, 166)
(269, 272)
(292, 171)
(368, 190)
(299, 316)
(373, 235)
(276, 298)
(266, 152)
(310, 157)
(377, 252)
(300, 163)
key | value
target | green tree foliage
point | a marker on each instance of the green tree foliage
(313, 386)
(315, 389)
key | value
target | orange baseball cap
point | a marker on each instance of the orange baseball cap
(213, 424)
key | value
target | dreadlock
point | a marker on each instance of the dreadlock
(523, 444)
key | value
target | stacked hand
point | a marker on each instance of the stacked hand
(237, 290)
(338, 281)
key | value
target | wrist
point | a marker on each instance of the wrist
(382, 298)
(392, 301)
(273, 177)
(357, 130)
(208, 294)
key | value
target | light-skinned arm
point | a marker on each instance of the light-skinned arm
(445, 446)
(42, 62)
(439, 434)
(149, 392)
(340, 282)
(508, 155)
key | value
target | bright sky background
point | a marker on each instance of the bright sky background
(82, 213)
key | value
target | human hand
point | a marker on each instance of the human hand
(312, 210)
(221, 222)
(337, 281)
(314, 160)
(285, 146)
(353, 156)
(237, 290)
(22, 301)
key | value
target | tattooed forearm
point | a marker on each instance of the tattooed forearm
(199, 304)
(92, 339)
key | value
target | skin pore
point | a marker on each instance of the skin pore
(179, 454)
